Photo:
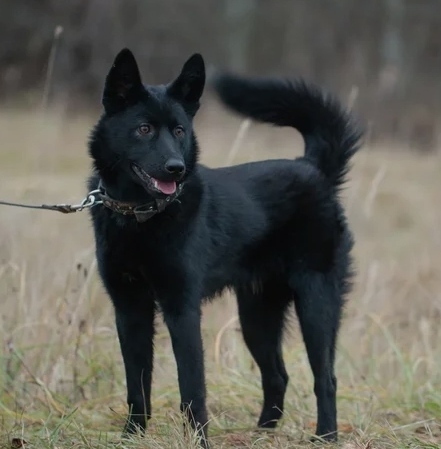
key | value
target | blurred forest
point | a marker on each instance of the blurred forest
(384, 54)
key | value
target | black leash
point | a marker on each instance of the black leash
(89, 201)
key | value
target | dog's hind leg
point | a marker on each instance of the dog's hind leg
(261, 313)
(318, 304)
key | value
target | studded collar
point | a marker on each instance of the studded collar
(142, 212)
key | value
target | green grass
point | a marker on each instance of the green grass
(61, 374)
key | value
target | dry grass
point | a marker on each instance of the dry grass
(61, 375)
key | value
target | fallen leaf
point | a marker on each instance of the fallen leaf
(238, 440)
(17, 443)
(344, 428)
(311, 425)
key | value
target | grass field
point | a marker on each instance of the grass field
(61, 374)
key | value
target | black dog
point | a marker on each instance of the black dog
(171, 232)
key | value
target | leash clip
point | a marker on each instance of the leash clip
(90, 201)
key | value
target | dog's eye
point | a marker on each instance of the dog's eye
(179, 131)
(145, 128)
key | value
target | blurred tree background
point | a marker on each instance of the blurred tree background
(384, 53)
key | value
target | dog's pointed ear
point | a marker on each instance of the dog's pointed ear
(123, 83)
(187, 88)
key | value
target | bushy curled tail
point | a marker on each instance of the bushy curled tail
(330, 134)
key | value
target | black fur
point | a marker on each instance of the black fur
(274, 231)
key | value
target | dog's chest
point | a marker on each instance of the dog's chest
(141, 261)
(139, 256)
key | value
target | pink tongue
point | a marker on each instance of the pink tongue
(166, 187)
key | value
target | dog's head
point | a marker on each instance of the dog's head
(145, 137)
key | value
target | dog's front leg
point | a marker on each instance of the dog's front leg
(185, 331)
(134, 323)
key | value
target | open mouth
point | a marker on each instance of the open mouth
(167, 188)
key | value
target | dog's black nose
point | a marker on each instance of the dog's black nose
(175, 166)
